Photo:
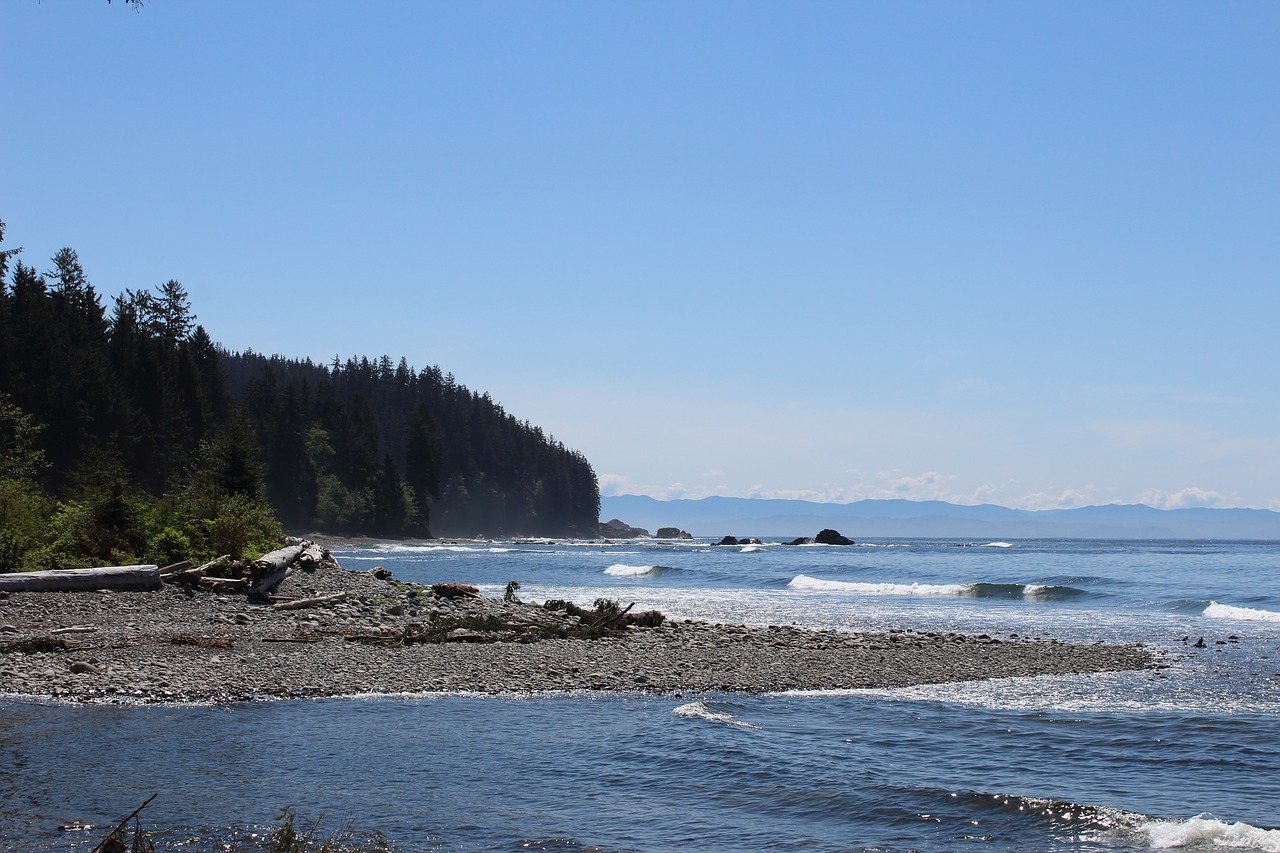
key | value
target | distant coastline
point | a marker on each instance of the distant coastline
(718, 516)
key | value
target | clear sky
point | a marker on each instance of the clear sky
(1008, 252)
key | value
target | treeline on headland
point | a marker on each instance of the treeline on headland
(127, 435)
(378, 446)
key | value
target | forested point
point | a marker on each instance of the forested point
(129, 436)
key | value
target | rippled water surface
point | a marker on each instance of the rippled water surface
(1181, 757)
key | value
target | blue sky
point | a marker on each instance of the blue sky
(1019, 253)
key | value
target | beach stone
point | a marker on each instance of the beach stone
(83, 668)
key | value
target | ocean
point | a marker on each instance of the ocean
(1183, 757)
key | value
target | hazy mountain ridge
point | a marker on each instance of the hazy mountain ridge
(719, 516)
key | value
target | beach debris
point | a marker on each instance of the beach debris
(316, 601)
(455, 590)
(382, 574)
(115, 842)
(202, 642)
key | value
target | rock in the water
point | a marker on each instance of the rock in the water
(672, 533)
(803, 540)
(831, 537)
(728, 540)
(617, 529)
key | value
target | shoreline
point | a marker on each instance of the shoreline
(170, 646)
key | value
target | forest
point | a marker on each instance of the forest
(127, 435)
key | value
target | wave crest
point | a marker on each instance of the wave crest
(703, 711)
(1031, 592)
(1227, 611)
(621, 570)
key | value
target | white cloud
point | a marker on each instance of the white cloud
(1183, 499)
(1066, 499)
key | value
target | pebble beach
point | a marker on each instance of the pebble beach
(172, 646)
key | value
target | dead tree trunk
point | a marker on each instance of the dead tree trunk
(77, 580)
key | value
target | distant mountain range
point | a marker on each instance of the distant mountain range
(716, 517)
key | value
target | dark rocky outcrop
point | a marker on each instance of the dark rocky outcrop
(617, 529)
(831, 537)
(802, 540)
(672, 533)
(734, 540)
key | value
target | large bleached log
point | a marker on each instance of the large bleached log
(277, 560)
(77, 580)
(270, 569)
(270, 582)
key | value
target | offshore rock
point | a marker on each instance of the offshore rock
(672, 533)
(617, 529)
(831, 537)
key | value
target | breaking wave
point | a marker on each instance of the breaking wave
(706, 711)
(1030, 592)
(1227, 611)
(622, 570)
(1118, 826)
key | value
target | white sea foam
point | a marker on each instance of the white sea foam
(1206, 831)
(752, 549)
(701, 711)
(998, 545)
(431, 549)
(811, 584)
(624, 571)
(1227, 611)
(1035, 590)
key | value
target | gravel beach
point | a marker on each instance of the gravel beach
(176, 645)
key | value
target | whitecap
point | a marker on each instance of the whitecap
(998, 545)
(807, 583)
(702, 711)
(752, 549)
(1227, 611)
(624, 571)
(1207, 831)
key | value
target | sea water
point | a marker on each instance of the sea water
(1183, 757)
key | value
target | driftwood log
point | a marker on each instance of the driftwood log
(224, 584)
(269, 570)
(309, 602)
(279, 559)
(455, 590)
(78, 580)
